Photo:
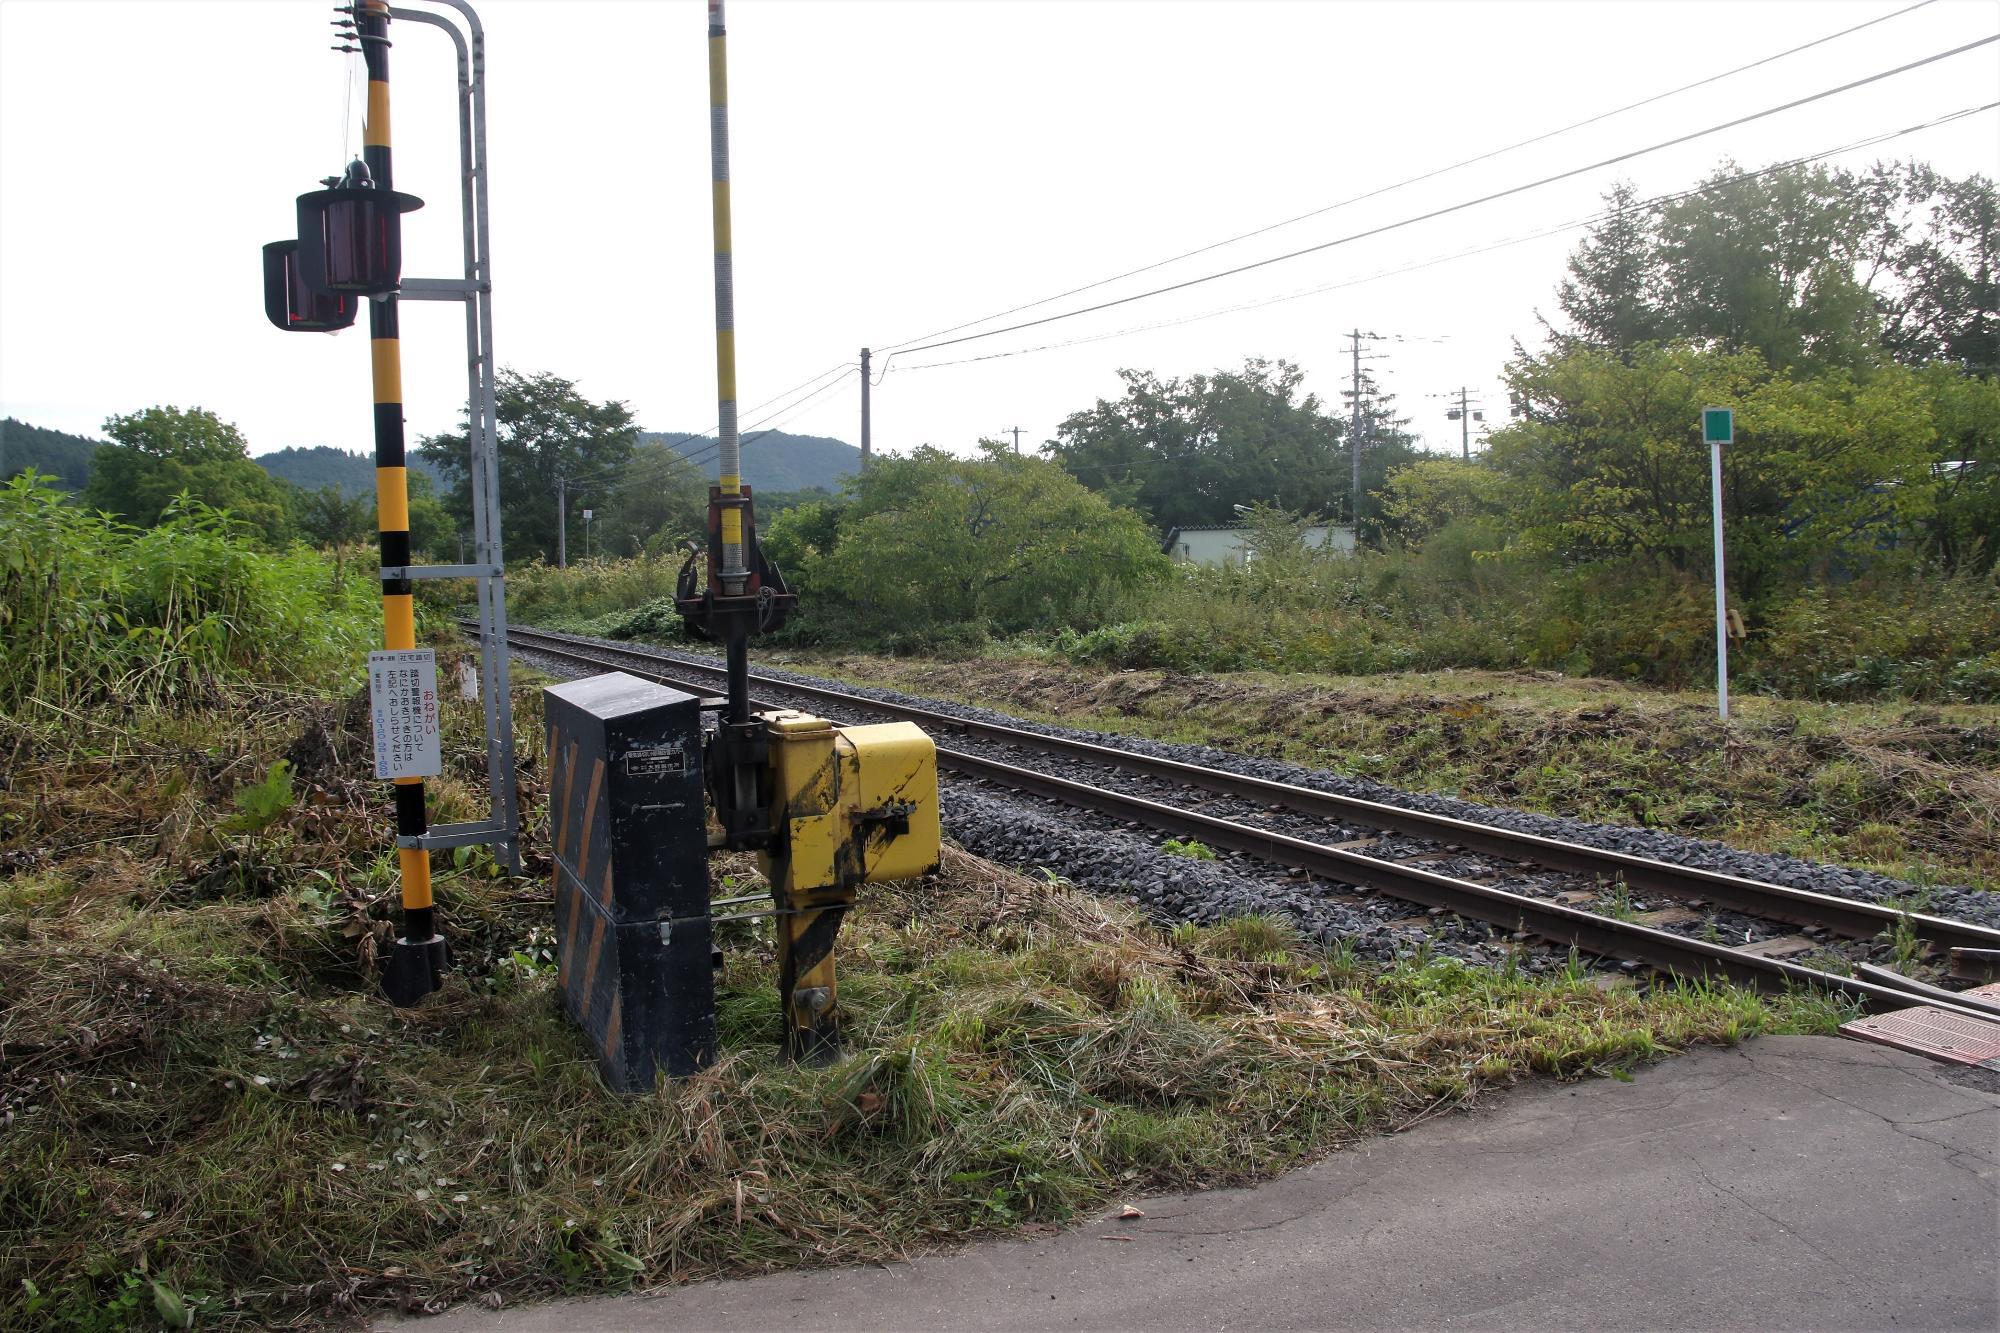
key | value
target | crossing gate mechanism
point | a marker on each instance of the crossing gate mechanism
(635, 768)
(629, 793)
(826, 808)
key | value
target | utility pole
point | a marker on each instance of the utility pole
(867, 445)
(1354, 439)
(562, 521)
(1017, 437)
(1464, 414)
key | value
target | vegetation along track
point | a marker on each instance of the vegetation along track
(1402, 838)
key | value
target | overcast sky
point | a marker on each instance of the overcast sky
(899, 168)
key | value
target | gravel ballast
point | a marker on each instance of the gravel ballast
(1015, 830)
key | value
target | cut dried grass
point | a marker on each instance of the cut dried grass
(202, 1089)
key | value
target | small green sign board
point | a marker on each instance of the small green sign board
(1718, 425)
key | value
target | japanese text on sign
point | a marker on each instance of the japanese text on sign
(403, 692)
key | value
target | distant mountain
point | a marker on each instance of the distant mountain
(772, 461)
(775, 460)
(67, 458)
(323, 465)
(60, 455)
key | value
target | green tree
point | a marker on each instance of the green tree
(1610, 295)
(1185, 451)
(328, 516)
(1932, 266)
(547, 430)
(1005, 540)
(800, 537)
(1421, 500)
(164, 452)
(1386, 446)
(657, 500)
(1964, 532)
(1609, 462)
(1769, 264)
(1812, 268)
(433, 529)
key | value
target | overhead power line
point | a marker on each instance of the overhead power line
(662, 469)
(652, 469)
(788, 412)
(696, 457)
(1461, 206)
(1418, 179)
(1540, 234)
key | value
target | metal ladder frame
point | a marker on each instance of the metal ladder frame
(502, 826)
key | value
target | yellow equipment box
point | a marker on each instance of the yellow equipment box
(852, 805)
(849, 806)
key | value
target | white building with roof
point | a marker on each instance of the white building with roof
(1227, 544)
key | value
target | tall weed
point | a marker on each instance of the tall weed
(542, 594)
(1907, 635)
(94, 609)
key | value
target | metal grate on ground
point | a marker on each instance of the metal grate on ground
(1930, 1032)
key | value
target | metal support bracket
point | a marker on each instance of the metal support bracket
(453, 835)
(474, 288)
(440, 289)
(442, 572)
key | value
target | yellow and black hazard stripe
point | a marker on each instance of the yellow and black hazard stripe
(392, 491)
(806, 981)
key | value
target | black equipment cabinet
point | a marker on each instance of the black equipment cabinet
(628, 826)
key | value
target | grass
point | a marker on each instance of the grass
(209, 1116)
(92, 609)
(1911, 790)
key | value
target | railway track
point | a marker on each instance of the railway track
(1413, 836)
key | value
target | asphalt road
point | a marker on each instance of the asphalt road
(1793, 1182)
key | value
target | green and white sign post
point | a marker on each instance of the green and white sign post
(1718, 427)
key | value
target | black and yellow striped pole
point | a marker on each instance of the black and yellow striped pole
(418, 961)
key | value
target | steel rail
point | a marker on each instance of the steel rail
(1553, 921)
(1804, 907)
(1648, 945)
(1659, 949)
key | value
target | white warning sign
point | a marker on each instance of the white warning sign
(403, 689)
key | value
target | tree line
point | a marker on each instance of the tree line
(156, 455)
(1848, 317)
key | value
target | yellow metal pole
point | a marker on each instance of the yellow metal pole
(730, 459)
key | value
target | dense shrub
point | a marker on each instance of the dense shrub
(1452, 605)
(1461, 600)
(1921, 638)
(542, 594)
